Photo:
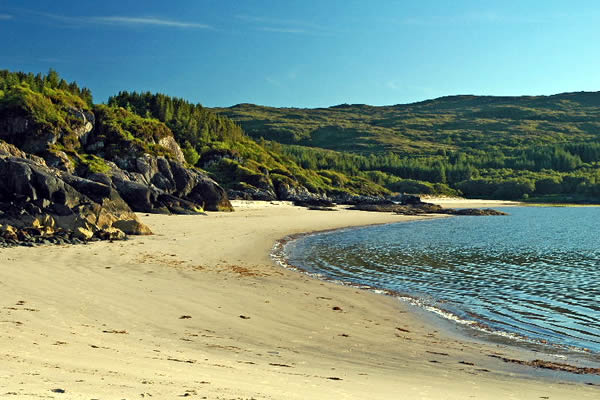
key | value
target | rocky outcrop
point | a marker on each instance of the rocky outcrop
(35, 196)
(266, 191)
(86, 120)
(423, 208)
(35, 124)
(357, 200)
(146, 182)
(314, 203)
(161, 185)
(17, 128)
(475, 211)
(251, 194)
(214, 156)
(155, 183)
(412, 205)
(294, 193)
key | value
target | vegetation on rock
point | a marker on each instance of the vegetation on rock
(121, 132)
(218, 145)
(54, 134)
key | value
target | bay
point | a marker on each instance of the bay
(532, 276)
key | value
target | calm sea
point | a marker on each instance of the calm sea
(533, 276)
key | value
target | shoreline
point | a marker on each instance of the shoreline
(470, 330)
(200, 309)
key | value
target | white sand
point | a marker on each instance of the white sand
(104, 321)
(457, 202)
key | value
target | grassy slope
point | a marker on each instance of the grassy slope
(447, 123)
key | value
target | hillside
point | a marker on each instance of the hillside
(86, 166)
(447, 123)
(247, 168)
(160, 153)
(512, 147)
(532, 147)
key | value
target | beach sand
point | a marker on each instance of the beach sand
(199, 310)
(458, 202)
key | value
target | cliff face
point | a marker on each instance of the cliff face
(35, 195)
(88, 169)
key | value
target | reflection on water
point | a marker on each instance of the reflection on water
(533, 274)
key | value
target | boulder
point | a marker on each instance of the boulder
(132, 227)
(8, 232)
(45, 223)
(8, 150)
(60, 160)
(83, 233)
(138, 196)
(169, 143)
(111, 233)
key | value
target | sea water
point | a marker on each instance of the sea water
(533, 275)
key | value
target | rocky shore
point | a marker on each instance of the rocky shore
(413, 205)
(85, 181)
(85, 178)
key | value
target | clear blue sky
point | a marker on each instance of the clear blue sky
(307, 53)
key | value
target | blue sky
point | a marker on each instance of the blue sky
(307, 53)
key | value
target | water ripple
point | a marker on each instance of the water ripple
(532, 274)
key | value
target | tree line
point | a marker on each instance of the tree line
(503, 172)
(37, 83)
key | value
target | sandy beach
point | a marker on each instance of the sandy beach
(458, 202)
(200, 310)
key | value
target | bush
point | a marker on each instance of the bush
(514, 189)
(411, 186)
(190, 154)
(548, 185)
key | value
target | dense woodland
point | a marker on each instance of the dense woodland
(543, 147)
(540, 147)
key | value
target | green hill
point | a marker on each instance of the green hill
(240, 164)
(503, 147)
(448, 123)
(60, 115)
(530, 147)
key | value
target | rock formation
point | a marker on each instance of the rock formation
(412, 205)
(34, 195)
(87, 176)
